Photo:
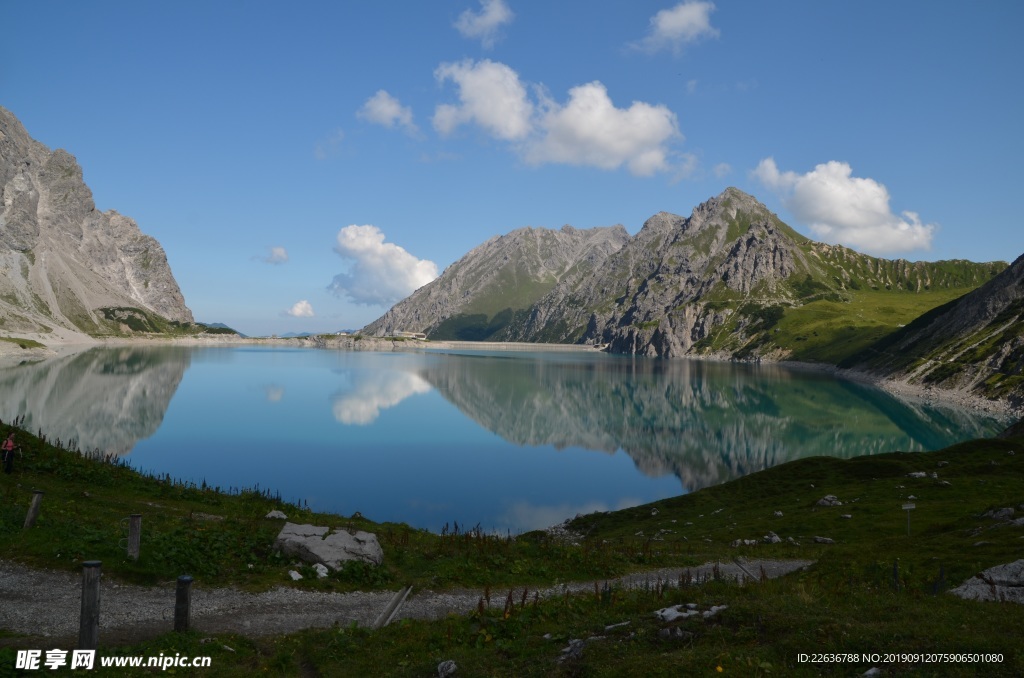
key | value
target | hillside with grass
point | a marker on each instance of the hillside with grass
(877, 583)
(974, 343)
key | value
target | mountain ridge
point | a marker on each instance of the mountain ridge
(504, 275)
(732, 279)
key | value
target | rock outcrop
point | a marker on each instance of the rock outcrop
(316, 544)
(65, 264)
(1004, 583)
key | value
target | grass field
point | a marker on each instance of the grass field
(828, 331)
(875, 590)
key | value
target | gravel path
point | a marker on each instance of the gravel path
(46, 603)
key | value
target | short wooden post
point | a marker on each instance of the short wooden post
(134, 535)
(183, 603)
(89, 621)
(33, 509)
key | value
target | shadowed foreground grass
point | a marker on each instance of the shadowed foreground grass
(875, 590)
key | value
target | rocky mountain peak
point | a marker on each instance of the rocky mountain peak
(65, 263)
(480, 294)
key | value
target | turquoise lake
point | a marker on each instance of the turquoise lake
(509, 441)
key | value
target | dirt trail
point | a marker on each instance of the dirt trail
(45, 604)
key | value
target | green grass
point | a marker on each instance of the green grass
(829, 331)
(23, 343)
(847, 602)
(128, 321)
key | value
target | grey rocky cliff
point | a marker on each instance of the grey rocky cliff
(648, 297)
(505, 274)
(61, 258)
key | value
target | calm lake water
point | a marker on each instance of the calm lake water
(512, 441)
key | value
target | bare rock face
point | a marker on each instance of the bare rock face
(649, 297)
(1003, 583)
(61, 259)
(316, 544)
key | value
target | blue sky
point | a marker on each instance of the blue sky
(305, 164)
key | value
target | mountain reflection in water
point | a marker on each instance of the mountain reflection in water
(705, 422)
(506, 439)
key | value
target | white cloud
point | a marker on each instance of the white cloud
(301, 309)
(328, 145)
(484, 25)
(384, 109)
(588, 130)
(490, 96)
(673, 28)
(721, 170)
(381, 273)
(384, 391)
(842, 208)
(278, 255)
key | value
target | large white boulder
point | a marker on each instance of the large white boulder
(315, 544)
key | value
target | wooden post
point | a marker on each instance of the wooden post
(134, 535)
(89, 621)
(33, 509)
(183, 603)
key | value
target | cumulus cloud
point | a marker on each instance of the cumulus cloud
(363, 405)
(681, 25)
(384, 109)
(381, 273)
(587, 130)
(484, 25)
(842, 208)
(278, 255)
(590, 130)
(490, 95)
(301, 309)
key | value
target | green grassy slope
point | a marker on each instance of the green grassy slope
(877, 589)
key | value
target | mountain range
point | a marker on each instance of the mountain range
(732, 280)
